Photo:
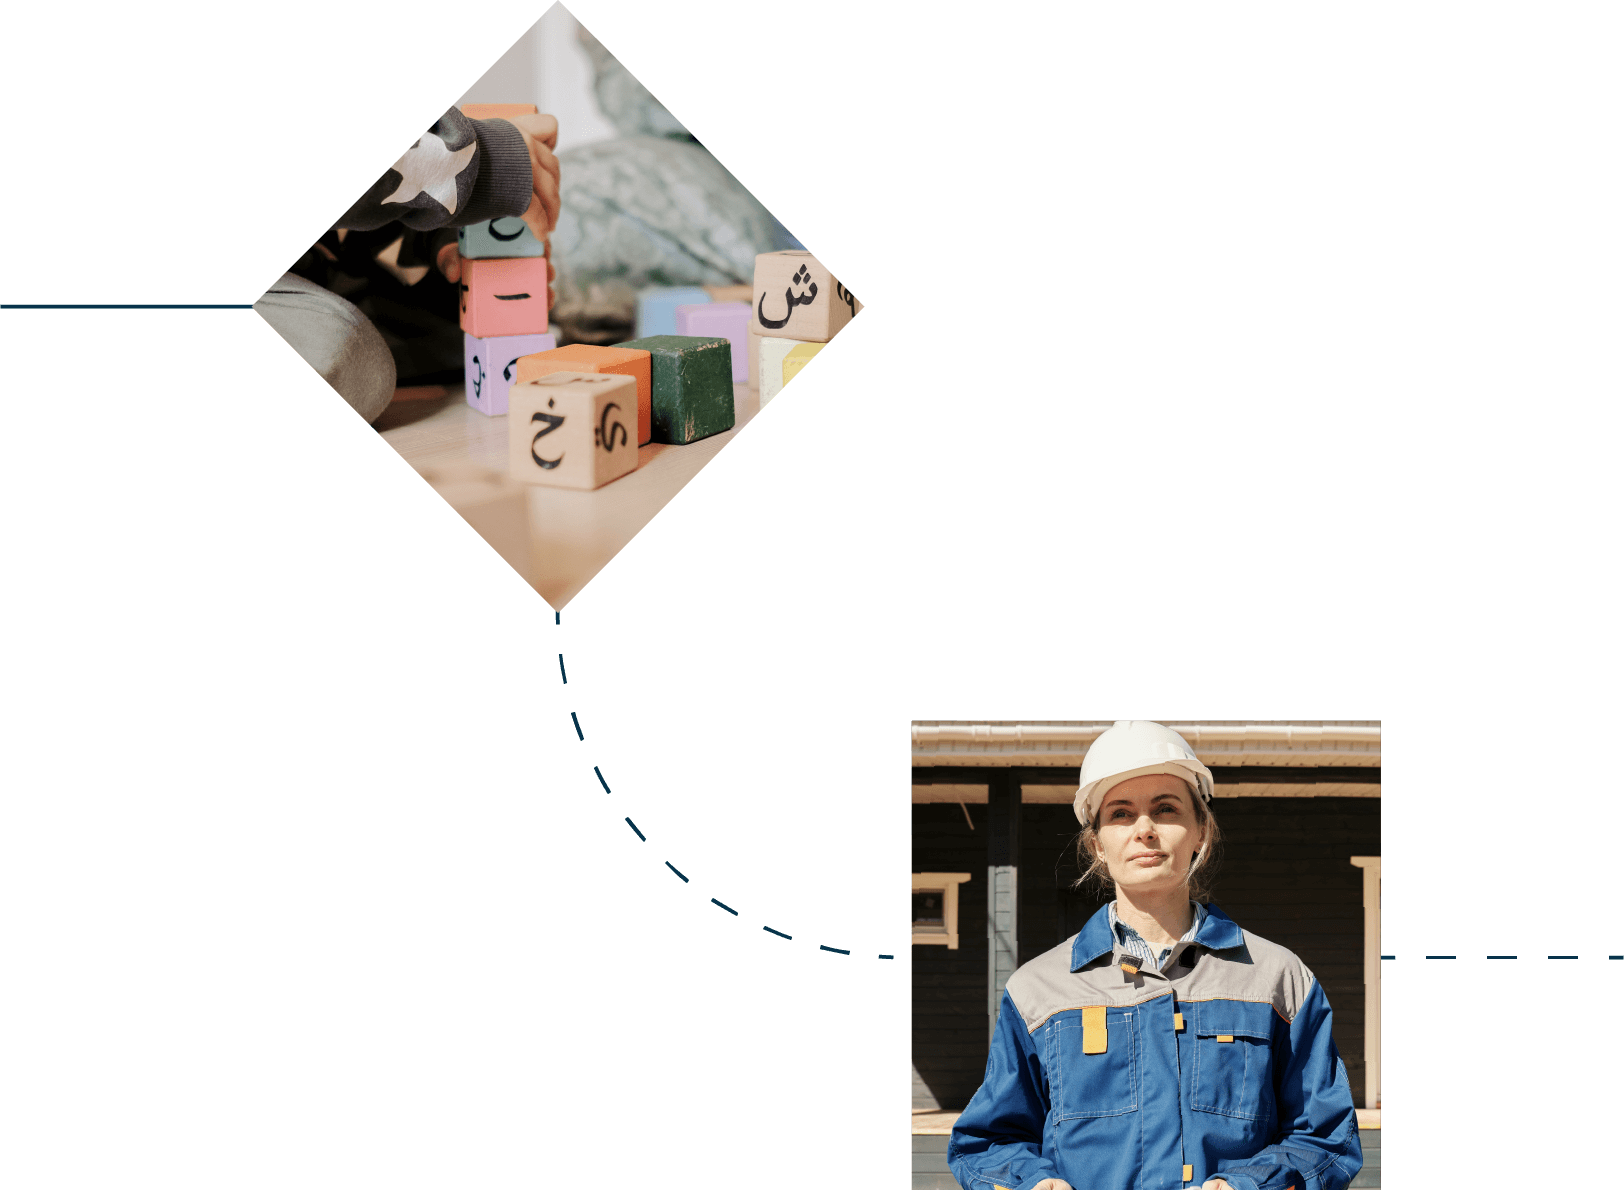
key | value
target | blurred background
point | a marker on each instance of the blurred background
(644, 204)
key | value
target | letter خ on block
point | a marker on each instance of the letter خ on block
(796, 298)
(496, 238)
(572, 429)
(693, 386)
(584, 357)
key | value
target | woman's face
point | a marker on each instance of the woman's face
(1148, 832)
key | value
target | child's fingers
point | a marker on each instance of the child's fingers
(450, 262)
(543, 128)
(536, 218)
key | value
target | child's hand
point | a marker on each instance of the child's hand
(541, 137)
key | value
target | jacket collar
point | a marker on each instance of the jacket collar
(1096, 938)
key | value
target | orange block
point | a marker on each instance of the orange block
(584, 357)
(494, 111)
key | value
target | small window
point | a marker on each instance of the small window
(928, 911)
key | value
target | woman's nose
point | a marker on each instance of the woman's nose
(1145, 826)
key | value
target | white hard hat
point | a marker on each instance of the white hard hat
(1134, 748)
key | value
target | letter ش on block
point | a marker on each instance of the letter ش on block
(585, 357)
(572, 429)
(796, 298)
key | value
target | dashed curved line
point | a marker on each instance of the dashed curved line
(558, 619)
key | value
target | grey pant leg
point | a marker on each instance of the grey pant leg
(335, 339)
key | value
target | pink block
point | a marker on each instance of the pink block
(721, 320)
(504, 296)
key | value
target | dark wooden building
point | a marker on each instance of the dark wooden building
(1300, 809)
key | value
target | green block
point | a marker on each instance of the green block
(692, 385)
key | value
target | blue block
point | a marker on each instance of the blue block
(657, 307)
(498, 238)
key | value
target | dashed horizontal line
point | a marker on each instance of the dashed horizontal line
(1561, 956)
(888, 956)
(1501, 956)
(834, 950)
(1440, 956)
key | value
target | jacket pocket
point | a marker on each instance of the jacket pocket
(1101, 1084)
(1234, 1059)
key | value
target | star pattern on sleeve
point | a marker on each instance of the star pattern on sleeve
(428, 167)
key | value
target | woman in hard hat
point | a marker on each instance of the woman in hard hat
(1163, 1046)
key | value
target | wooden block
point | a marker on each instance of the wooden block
(657, 307)
(1178, 1022)
(1189, 1173)
(730, 293)
(584, 357)
(721, 320)
(572, 429)
(771, 351)
(797, 356)
(504, 297)
(796, 298)
(497, 111)
(497, 238)
(492, 504)
(753, 376)
(488, 367)
(692, 386)
(1225, 1037)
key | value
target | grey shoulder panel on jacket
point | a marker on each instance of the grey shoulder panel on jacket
(1260, 971)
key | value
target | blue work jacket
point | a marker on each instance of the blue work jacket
(1114, 1075)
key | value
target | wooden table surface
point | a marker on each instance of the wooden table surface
(556, 538)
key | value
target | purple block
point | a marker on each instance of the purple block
(723, 320)
(487, 367)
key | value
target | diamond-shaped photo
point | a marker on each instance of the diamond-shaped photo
(557, 306)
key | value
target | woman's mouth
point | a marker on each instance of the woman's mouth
(1148, 859)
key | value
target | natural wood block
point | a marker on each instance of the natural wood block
(795, 359)
(796, 298)
(730, 293)
(584, 357)
(692, 386)
(492, 504)
(572, 429)
(752, 346)
(770, 351)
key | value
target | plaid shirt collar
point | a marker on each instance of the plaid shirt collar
(1139, 948)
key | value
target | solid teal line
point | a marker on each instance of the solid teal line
(64, 306)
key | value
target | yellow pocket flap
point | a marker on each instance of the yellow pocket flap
(1094, 1030)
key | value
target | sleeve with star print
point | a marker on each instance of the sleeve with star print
(459, 172)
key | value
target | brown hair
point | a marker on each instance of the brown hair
(1203, 865)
